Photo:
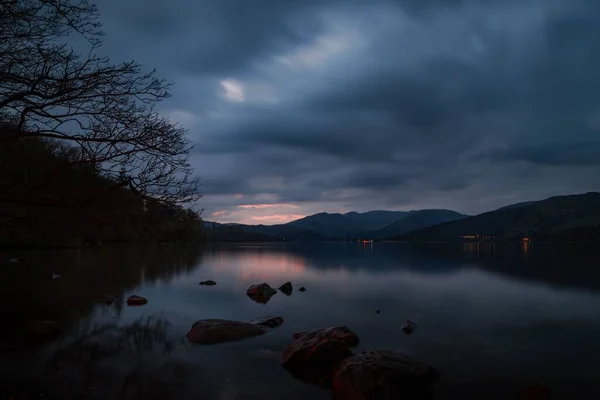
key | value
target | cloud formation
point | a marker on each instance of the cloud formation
(331, 105)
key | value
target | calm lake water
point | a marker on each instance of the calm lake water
(493, 320)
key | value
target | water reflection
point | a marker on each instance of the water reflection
(492, 318)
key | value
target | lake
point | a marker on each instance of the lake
(492, 319)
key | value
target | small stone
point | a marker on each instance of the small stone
(408, 327)
(287, 288)
(208, 283)
(261, 293)
(302, 289)
(136, 300)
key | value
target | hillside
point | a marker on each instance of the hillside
(573, 217)
(416, 220)
(347, 225)
(47, 199)
(324, 226)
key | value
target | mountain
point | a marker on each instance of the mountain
(347, 225)
(516, 205)
(218, 232)
(416, 220)
(573, 217)
(353, 225)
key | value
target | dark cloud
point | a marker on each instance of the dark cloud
(356, 104)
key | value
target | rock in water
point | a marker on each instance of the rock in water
(313, 357)
(135, 300)
(287, 288)
(44, 328)
(269, 322)
(408, 327)
(212, 331)
(261, 293)
(383, 375)
(302, 289)
(208, 283)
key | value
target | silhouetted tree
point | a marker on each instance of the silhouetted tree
(86, 111)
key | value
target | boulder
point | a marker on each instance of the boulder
(408, 327)
(261, 293)
(212, 331)
(136, 300)
(383, 375)
(287, 288)
(43, 328)
(261, 290)
(269, 322)
(208, 283)
(314, 356)
(302, 289)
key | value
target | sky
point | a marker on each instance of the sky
(303, 106)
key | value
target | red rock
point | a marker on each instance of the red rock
(135, 300)
(261, 290)
(314, 356)
(383, 375)
(211, 331)
(261, 293)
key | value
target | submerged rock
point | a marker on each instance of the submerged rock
(269, 322)
(313, 357)
(408, 327)
(136, 300)
(43, 328)
(383, 375)
(212, 331)
(261, 293)
(287, 288)
(208, 283)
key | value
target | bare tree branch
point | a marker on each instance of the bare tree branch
(105, 112)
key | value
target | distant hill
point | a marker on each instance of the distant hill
(516, 205)
(251, 233)
(353, 225)
(574, 217)
(416, 220)
(348, 225)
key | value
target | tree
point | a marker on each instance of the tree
(98, 115)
